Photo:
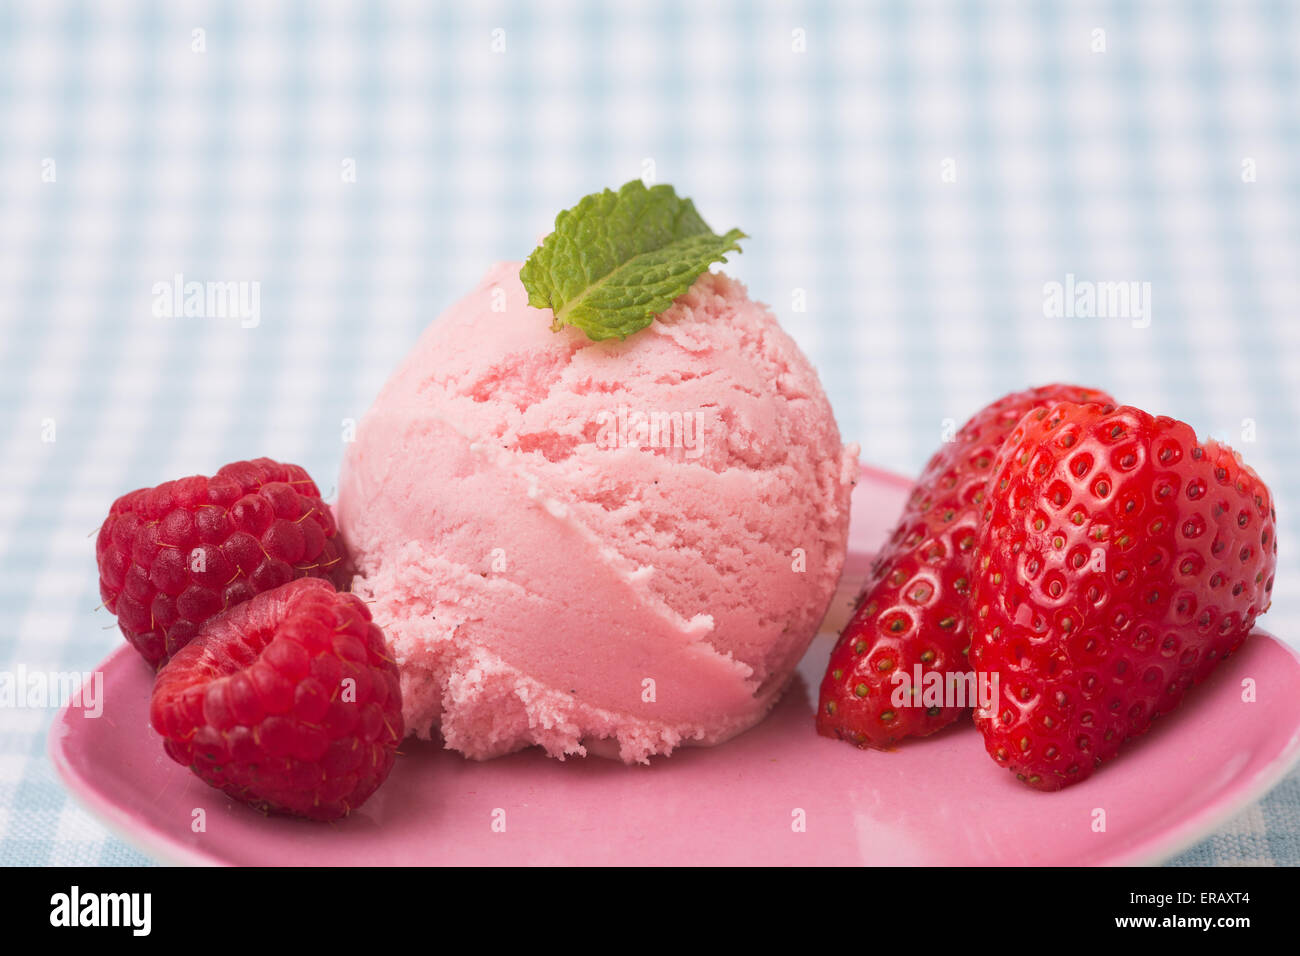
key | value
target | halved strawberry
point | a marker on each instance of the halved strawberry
(913, 610)
(1119, 561)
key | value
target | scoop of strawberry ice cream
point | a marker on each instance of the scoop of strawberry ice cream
(573, 543)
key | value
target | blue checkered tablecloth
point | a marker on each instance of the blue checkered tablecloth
(913, 176)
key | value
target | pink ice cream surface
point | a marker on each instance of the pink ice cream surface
(547, 572)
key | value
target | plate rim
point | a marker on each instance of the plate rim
(1155, 851)
(159, 848)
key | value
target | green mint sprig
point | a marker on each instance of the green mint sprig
(618, 259)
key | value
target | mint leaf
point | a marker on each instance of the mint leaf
(616, 260)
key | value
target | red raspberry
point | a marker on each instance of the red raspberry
(171, 557)
(259, 705)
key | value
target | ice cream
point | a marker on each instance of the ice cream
(572, 543)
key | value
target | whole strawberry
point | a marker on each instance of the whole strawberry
(288, 702)
(914, 609)
(171, 557)
(1118, 563)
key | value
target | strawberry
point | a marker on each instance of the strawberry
(1118, 562)
(913, 610)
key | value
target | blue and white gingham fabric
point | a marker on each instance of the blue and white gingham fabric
(912, 176)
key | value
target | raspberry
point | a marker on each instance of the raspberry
(288, 702)
(171, 557)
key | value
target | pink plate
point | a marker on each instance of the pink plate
(940, 800)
